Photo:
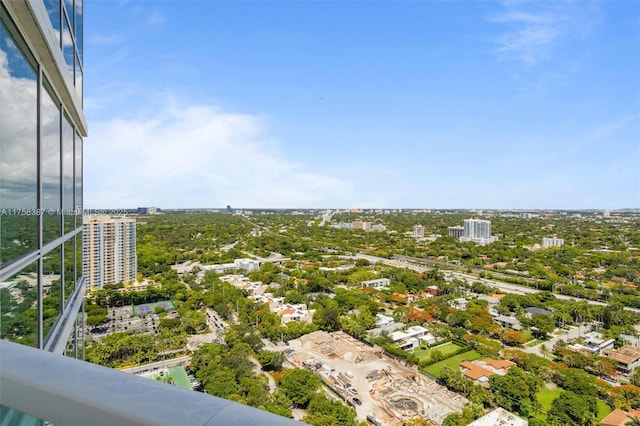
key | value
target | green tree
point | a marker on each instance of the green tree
(327, 319)
(516, 390)
(300, 386)
(571, 408)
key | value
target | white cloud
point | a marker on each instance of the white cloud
(534, 29)
(198, 156)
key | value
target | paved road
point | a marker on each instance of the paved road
(169, 363)
(572, 333)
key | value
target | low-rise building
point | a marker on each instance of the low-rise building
(508, 322)
(411, 337)
(530, 312)
(294, 313)
(378, 284)
(500, 417)
(382, 320)
(594, 342)
(480, 371)
(627, 357)
(459, 303)
(244, 264)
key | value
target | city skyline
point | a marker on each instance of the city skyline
(359, 104)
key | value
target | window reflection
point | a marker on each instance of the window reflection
(53, 9)
(51, 181)
(78, 239)
(79, 27)
(51, 290)
(67, 45)
(78, 81)
(78, 186)
(19, 313)
(67, 175)
(69, 268)
(18, 145)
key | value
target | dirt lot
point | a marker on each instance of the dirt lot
(389, 389)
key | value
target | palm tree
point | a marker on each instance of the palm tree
(544, 350)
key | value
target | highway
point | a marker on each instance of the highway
(502, 286)
(160, 365)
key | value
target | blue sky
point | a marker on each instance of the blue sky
(432, 104)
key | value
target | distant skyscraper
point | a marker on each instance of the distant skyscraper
(475, 228)
(229, 209)
(552, 242)
(147, 210)
(456, 231)
(477, 231)
(418, 231)
(109, 246)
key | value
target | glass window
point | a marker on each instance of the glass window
(79, 27)
(51, 290)
(51, 181)
(67, 45)
(67, 175)
(19, 301)
(68, 9)
(53, 9)
(78, 185)
(78, 81)
(78, 238)
(18, 147)
(69, 268)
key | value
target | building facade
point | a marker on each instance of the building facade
(418, 231)
(109, 251)
(42, 126)
(552, 242)
(456, 231)
(477, 231)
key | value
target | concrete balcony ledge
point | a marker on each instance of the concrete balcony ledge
(67, 391)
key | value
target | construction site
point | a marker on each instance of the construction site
(382, 389)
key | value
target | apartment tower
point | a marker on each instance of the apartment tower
(109, 250)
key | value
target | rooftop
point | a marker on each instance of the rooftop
(500, 417)
(625, 355)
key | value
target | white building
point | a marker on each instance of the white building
(477, 231)
(456, 232)
(594, 342)
(552, 242)
(501, 417)
(508, 322)
(418, 231)
(412, 337)
(244, 264)
(342, 225)
(379, 284)
(295, 313)
(109, 250)
(382, 320)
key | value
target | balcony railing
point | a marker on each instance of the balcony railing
(67, 391)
